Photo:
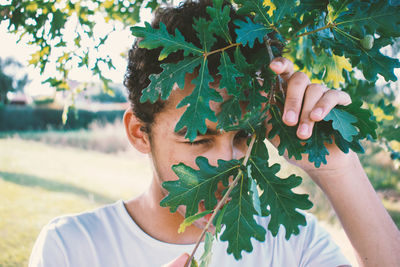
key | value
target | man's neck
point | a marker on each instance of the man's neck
(157, 221)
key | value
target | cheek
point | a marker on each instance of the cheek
(165, 154)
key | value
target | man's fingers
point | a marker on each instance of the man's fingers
(327, 102)
(296, 87)
(313, 94)
(283, 67)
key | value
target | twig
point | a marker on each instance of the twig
(223, 200)
(329, 25)
(299, 29)
(271, 95)
(221, 49)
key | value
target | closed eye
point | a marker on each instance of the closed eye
(199, 142)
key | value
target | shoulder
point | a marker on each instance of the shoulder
(69, 233)
(312, 246)
(75, 224)
(310, 227)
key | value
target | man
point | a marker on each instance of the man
(140, 232)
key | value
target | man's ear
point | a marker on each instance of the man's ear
(135, 130)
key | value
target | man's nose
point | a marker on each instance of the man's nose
(227, 151)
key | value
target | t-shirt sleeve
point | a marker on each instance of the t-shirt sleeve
(48, 249)
(319, 249)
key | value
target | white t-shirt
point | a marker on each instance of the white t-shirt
(109, 237)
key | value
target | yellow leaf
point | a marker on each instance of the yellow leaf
(271, 5)
(83, 16)
(32, 6)
(38, 55)
(108, 3)
(64, 57)
(333, 67)
(189, 220)
(64, 85)
(380, 115)
(333, 13)
(395, 145)
(35, 57)
(44, 51)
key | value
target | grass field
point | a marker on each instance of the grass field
(39, 182)
(44, 175)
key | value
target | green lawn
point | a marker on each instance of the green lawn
(39, 182)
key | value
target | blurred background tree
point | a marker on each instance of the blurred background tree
(8, 81)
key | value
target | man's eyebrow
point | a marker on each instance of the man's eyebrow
(182, 132)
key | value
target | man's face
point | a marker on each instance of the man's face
(169, 147)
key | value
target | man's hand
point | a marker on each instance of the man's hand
(305, 104)
(369, 227)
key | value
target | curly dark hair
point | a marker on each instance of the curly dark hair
(144, 62)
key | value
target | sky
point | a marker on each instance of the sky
(118, 42)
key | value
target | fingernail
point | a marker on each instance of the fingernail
(317, 112)
(303, 129)
(290, 116)
(276, 64)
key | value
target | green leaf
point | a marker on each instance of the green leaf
(58, 23)
(283, 8)
(370, 61)
(259, 148)
(254, 98)
(249, 31)
(220, 19)
(242, 64)
(189, 220)
(207, 254)
(254, 192)
(154, 38)
(230, 113)
(194, 263)
(365, 124)
(218, 221)
(247, 7)
(249, 123)
(373, 62)
(153, 4)
(311, 5)
(239, 220)
(287, 135)
(201, 27)
(391, 133)
(315, 145)
(345, 145)
(163, 83)
(229, 74)
(198, 109)
(194, 186)
(278, 199)
(370, 17)
(342, 122)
